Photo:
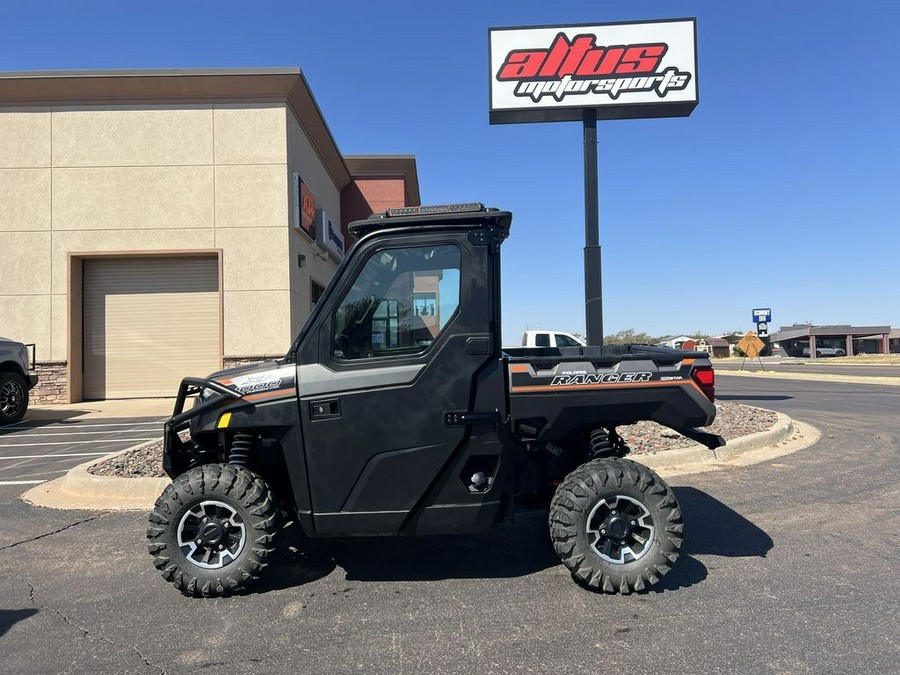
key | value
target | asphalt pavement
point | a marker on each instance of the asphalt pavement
(822, 366)
(41, 448)
(789, 566)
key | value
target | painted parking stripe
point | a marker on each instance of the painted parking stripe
(23, 482)
(61, 454)
(79, 425)
(82, 433)
(98, 441)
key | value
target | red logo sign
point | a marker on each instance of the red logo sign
(307, 210)
(582, 67)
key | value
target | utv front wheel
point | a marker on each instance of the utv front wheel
(616, 525)
(213, 530)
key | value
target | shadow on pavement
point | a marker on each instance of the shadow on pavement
(35, 419)
(713, 528)
(710, 528)
(10, 617)
(514, 550)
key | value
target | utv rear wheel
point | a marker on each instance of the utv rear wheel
(213, 530)
(13, 398)
(616, 525)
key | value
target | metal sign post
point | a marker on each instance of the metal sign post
(593, 280)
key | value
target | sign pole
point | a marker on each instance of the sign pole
(593, 284)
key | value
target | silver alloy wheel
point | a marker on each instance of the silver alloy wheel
(620, 529)
(211, 534)
(11, 398)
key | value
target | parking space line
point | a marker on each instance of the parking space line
(80, 433)
(22, 427)
(22, 482)
(98, 441)
(61, 454)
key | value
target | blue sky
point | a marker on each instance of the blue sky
(781, 189)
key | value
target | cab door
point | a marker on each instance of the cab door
(404, 346)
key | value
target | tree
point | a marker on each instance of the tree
(629, 336)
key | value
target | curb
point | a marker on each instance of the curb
(79, 489)
(699, 454)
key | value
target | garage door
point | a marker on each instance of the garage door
(148, 322)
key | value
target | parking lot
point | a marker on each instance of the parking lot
(788, 566)
(36, 450)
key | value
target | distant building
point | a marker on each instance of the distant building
(716, 347)
(852, 340)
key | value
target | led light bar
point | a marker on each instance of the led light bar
(471, 207)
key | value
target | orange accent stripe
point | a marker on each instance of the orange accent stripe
(518, 369)
(270, 394)
(583, 387)
(688, 362)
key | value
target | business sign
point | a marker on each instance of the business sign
(762, 315)
(623, 70)
(304, 212)
(328, 235)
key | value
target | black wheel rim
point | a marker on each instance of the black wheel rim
(12, 396)
(620, 529)
(211, 534)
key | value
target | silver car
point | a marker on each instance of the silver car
(826, 351)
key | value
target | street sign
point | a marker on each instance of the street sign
(763, 315)
(762, 328)
(751, 345)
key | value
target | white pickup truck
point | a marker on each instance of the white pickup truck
(551, 338)
(16, 379)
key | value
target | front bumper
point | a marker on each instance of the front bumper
(173, 446)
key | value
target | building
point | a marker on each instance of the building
(157, 224)
(851, 340)
(715, 347)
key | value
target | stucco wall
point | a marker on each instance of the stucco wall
(136, 178)
(302, 159)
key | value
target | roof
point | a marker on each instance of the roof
(806, 330)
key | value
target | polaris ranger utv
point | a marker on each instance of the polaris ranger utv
(397, 412)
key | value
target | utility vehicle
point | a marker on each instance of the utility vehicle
(397, 412)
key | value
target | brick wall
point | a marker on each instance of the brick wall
(52, 386)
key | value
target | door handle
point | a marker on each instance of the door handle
(325, 409)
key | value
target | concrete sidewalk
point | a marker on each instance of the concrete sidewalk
(113, 408)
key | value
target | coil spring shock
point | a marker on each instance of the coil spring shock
(240, 450)
(600, 444)
(608, 444)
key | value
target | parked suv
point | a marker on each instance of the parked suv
(17, 378)
(826, 351)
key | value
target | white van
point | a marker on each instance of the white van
(550, 338)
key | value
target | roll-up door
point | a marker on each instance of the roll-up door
(148, 322)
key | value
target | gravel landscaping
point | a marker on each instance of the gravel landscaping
(732, 421)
